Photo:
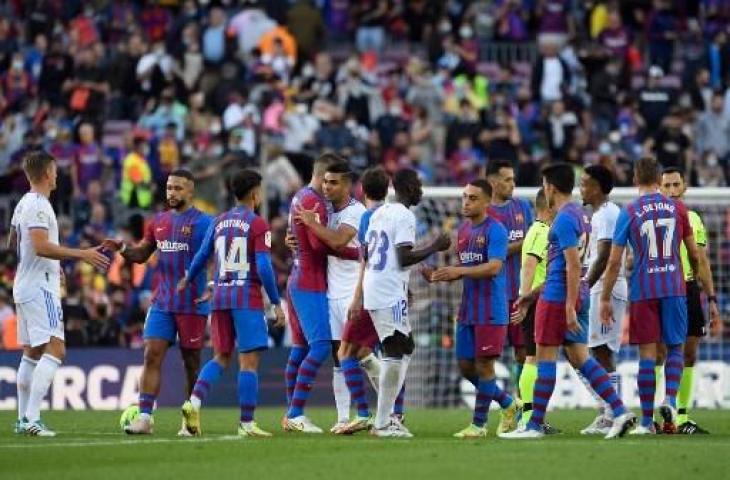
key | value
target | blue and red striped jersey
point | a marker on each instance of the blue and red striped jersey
(236, 237)
(177, 237)
(516, 216)
(571, 228)
(655, 227)
(483, 301)
(310, 258)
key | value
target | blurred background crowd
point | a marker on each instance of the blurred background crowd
(122, 92)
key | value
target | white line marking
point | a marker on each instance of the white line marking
(121, 441)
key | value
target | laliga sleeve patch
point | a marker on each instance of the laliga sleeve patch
(267, 239)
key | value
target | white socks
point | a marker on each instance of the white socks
(23, 381)
(195, 401)
(42, 378)
(342, 395)
(389, 387)
(371, 365)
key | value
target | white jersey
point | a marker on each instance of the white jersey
(603, 224)
(386, 283)
(35, 273)
(342, 274)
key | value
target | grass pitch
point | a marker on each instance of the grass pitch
(90, 445)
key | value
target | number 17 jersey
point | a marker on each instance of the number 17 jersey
(385, 283)
(654, 226)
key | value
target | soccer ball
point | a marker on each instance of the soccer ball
(129, 415)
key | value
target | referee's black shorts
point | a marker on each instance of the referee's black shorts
(528, 331)
(696, 324)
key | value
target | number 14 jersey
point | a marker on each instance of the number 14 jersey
(654, 226)
(385, 283)
(237, 236)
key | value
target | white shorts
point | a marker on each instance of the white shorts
(338, 315)
(387, 321)
(40, 319)
(598, 333)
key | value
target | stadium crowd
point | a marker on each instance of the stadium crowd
(123, 92)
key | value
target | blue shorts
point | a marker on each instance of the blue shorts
(188, 327)
(242, 326)
(313, 311)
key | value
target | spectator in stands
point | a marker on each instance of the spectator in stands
(214, 37)
(305, 23)
(560, 129)
(56, 69)
(671, 146)
(662, 30)
(136, 185)
(655, 101)
(88, 86)
(712, 134)
(554, 22)
(615, 37)
(370, 16)
(8, 323)
(550, 74)
(700, 92)
(89, 161)
(16, 84)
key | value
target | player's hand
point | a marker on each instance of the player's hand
(111, 244)
(715, 321)
(355, 311)
(207, 293)
(280, 319)
(291, 241)
(571, 320)
(446, 274)
(442, 242)
(95, 258)
(519, 311)
(606, 312)
(306, 217)
(182, 284)
(426, 272)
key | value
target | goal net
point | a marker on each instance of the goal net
(434, 379)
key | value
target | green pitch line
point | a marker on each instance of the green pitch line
(90, 445)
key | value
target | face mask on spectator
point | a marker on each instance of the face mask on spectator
(466, 32)
(17, 65)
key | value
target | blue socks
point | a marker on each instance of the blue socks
(248, 392)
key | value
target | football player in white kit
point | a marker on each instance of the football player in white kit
(342, 273)
(37, 290)
(604, 341)
(383, 291)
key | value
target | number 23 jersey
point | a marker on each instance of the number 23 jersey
(385, 283)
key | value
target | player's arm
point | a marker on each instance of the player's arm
(139, 253)
(353, 313)
(335, 239)
(45, 248)
(496, 252)
(407, 255)
(599, 265)
(200, 260)
(704, 274)
(689, 239)
(527, 273)
(572, 274)
(12, 243)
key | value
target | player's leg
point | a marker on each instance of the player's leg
(45, 333)
(696, 329)
(645, 331)
(337, 317)
(297, 352)
(313, 313)
(597, 342)
(160, 332)
(223, 337)
(674, 334)
(28, 362)
(397, 348)
(355, 383)
(528, 376)
(190, 330)
(686, 386)
(252, 338)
